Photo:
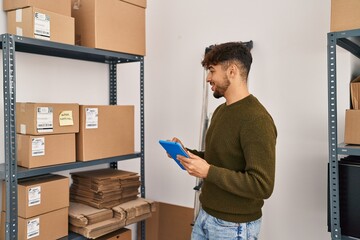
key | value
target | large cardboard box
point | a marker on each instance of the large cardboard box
(169, 222)
(114, 25)
(105, 131)
(47, 118)
(57, 6)
(344, 15)
(51, 225)
(46, 150)
(40, 195)
(42, 24)
(352, 126)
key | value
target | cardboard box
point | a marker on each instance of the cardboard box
(57, 6)
(42, 24)
(105, 131)
(51, 225)
(344, 15)
(352, 127)
(99, 229)
(114, 25)
(355, 93)
(121, 234)
(40, 195)
(81, 215)
(169, 222)
(47, 118)
(46, 150)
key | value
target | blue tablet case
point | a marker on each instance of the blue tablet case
(174, 149)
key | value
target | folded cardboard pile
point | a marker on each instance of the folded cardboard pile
(85, 220)
(104, 188)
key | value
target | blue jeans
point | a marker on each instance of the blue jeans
(208, 227)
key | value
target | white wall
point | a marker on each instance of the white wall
(289, 76)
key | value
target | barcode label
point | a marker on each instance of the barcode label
(42, 26)
(34, 196)
(38, 146)
(44, 119)
(33, 228)
(91, 118)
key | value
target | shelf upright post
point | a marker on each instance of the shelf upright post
(142, 139)
(333, 140)
(11, 223)
(113, 92)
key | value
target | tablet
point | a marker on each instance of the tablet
(174, 149)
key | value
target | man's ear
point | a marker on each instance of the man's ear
(232, 71)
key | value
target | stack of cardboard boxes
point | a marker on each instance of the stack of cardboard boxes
(43, 204)
(116, 25)
(105, 200)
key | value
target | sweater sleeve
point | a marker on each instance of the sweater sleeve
(197, 153)
(258, 139)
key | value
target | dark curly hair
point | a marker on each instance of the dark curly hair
(229, 53)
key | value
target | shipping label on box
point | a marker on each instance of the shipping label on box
(41, 26)
(33, 228)
(38, 146)
(34, 196)
(91, 118)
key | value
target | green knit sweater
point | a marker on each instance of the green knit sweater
(240, 148)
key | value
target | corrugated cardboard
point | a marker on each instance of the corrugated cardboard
(169, 222)
(57, 6)
(51, 225)
(39, 23)
(65, 118)
(57, 149)
(39, 195)
(344, 15)
(113, 135)
(81, 215)
(121, 234)
(355, 93)
(114, 25)
(99, 229)
(134, 208)
(352, 127)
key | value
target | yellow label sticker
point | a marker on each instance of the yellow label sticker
(66, 118)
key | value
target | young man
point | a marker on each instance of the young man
(238, 164)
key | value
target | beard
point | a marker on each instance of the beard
(221, 89)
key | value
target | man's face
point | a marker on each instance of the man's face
(218, 80)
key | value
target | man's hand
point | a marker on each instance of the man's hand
(194, 165)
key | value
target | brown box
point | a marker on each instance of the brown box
(40, 195)
(57, 6)
(344, 15)
(105, 131)
(169, 222)
(47, 118)
(42, 24)
(121, 234)
(46, 150)
(352, 127)
(114, 25)
(51, 225)
(355, 93)
(81, 215)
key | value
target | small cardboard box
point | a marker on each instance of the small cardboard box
(344, 15)
(51, 225)
(352, 126)
(42, 24)
(57, 6)
(40, 195)
(114, 25)
(47, 118)
(46, 150)
(105, 131)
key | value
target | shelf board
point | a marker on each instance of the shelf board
(49, 48)
(344, 149)
(343, 237)
(25, 172)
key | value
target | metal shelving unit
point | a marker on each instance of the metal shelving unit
(9, 171)
(349, 40)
